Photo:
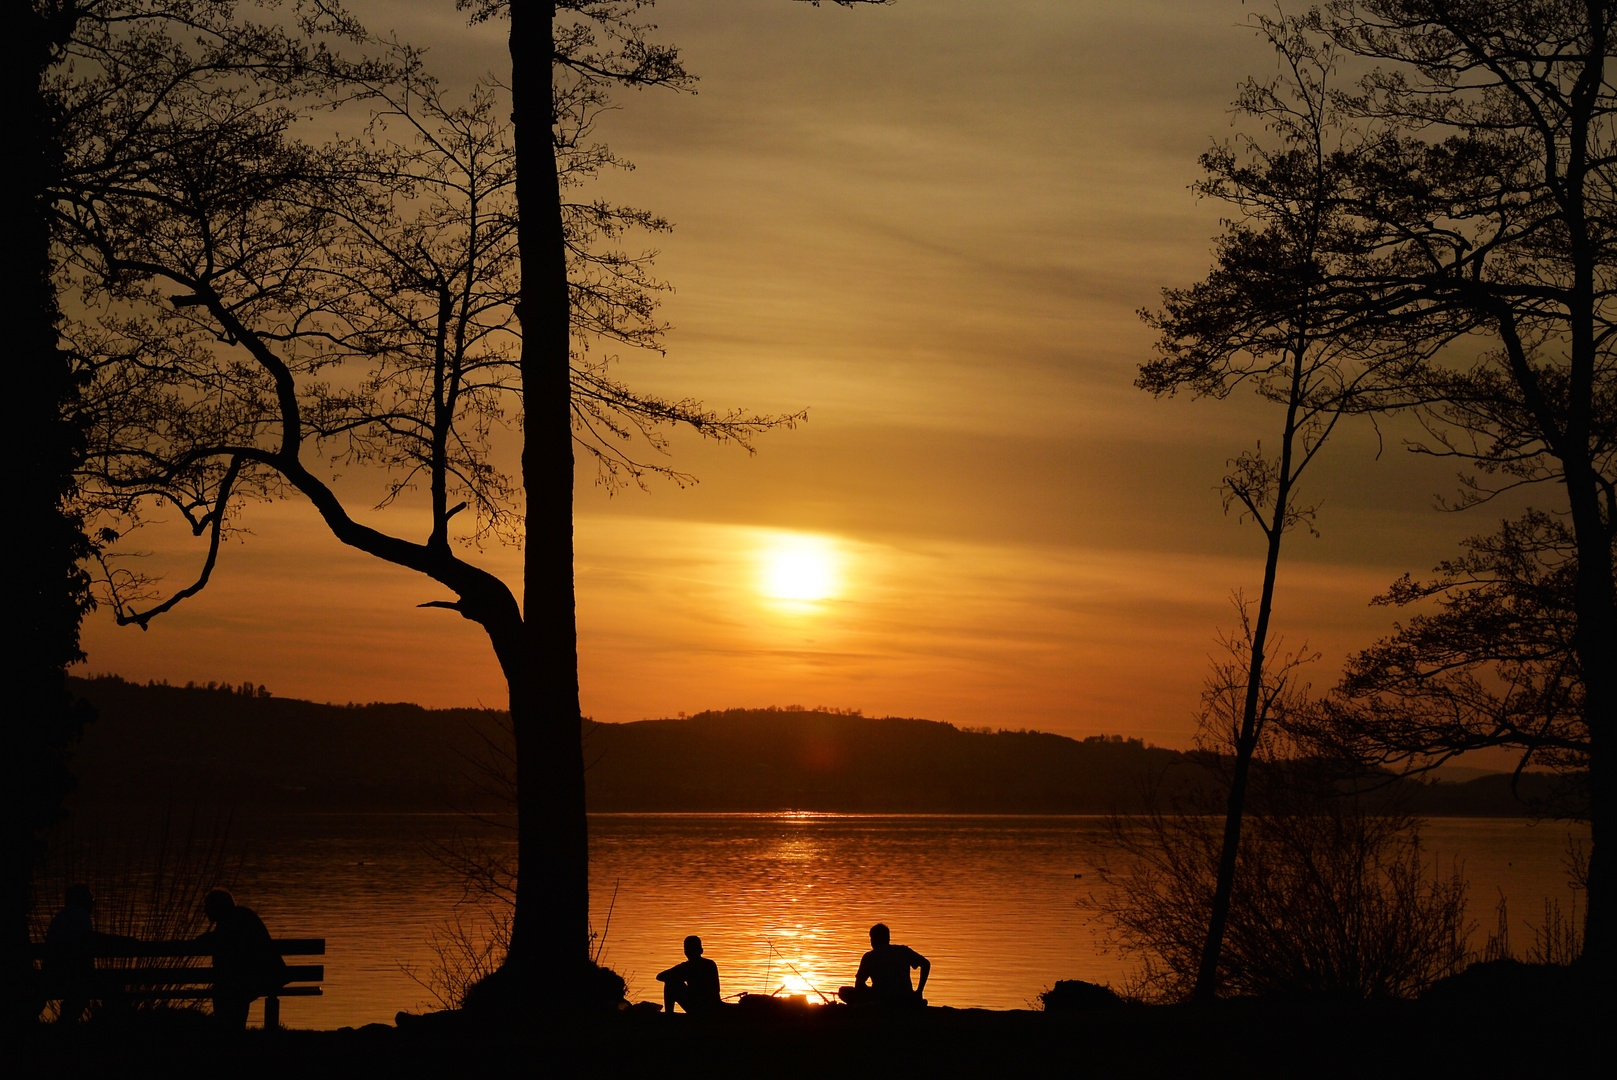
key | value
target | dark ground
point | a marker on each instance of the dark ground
(1523, 1032)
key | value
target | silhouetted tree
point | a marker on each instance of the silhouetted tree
(561, 51)
(87, 85)
(1267, 318)
(1495, 665)
(1330, 895)
(47, 534)
(291, 260)
(1485, 209)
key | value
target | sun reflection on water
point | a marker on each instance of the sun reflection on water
(990, 901)
(797, 971)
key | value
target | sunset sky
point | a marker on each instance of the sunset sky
(931, 225)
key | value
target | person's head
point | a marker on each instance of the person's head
(79, 896)
(693, 947)
(880, 935)
(218, 904)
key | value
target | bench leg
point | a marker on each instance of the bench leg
(272, 1013)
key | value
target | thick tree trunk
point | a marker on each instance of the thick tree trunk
(1596, 645)
(550, 934)
(48, 541)
(1595, 605)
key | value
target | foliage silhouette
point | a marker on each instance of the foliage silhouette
(1330, 893)
(1330, 898)
(1494, 666)
(88, 86)
(1481, 211)
(1267, 318)
(292, 260)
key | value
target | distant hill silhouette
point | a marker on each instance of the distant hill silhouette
(240, 746)
(237, 745)
(768, 759)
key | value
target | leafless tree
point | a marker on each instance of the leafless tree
(89, 86)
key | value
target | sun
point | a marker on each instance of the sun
(799, 568)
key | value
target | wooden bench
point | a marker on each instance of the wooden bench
(181, 980)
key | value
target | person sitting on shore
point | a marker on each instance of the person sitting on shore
(886, 967)
(693, 985)
(246, 963)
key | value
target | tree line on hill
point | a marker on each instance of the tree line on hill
(243, 747)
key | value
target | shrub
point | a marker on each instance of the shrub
(1331, 897)
(1075, 995)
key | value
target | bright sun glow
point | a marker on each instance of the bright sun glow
(799, 568)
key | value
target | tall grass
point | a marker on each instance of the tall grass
(149, 878)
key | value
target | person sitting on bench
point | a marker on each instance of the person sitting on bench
(887, 968)
(693, 985)
(71, 941)
(246, 963)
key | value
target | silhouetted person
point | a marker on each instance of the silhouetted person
(69, 962)
(887, 969)
(246, 963)
(693, 985)
(71, 943)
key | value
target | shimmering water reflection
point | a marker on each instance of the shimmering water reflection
(788, 900)
(780, 900)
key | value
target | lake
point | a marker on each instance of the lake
(780, 900)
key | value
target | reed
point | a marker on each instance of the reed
(149, 877)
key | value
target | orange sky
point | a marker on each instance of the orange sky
(931, 225)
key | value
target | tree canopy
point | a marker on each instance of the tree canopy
(1483, 213)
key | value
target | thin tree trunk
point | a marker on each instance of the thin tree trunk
(550, 929)
(1246, 742)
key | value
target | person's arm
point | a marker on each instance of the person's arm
(926, 969)
(114, 941)
(864, 970)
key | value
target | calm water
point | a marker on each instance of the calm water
(779, 899)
